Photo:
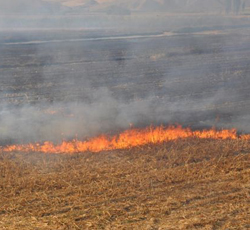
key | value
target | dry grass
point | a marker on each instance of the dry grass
(187, 184)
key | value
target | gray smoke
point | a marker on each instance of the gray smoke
(66, 120)
(153, 65)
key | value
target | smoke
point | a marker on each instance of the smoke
(137, 69)
(105, 114)
(59, 121)
(28, 7)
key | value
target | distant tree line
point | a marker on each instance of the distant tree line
(229, 6)
(234, 6)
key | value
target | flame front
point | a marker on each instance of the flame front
(125, 140)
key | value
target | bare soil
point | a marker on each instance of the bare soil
(203, 71)
(187, 184)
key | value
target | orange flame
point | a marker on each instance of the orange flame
(125, 140)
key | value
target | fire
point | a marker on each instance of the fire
(127, 139)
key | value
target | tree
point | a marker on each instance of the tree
(236, 6)
(233, 5)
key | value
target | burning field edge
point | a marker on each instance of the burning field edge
(125, 140)
(180, 184)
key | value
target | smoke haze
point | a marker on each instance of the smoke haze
(70, 69)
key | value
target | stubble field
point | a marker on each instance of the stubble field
(186, 184)
(198, 77)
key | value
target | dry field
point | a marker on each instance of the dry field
(198, 77)
(186, 184)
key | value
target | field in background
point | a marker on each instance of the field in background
(197, 72)
(187, 184)
(196, 75)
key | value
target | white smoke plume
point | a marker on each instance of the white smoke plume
(65, 73)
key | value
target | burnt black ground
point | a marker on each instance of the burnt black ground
(202, 79)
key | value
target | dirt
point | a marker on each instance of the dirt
(206, 72)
